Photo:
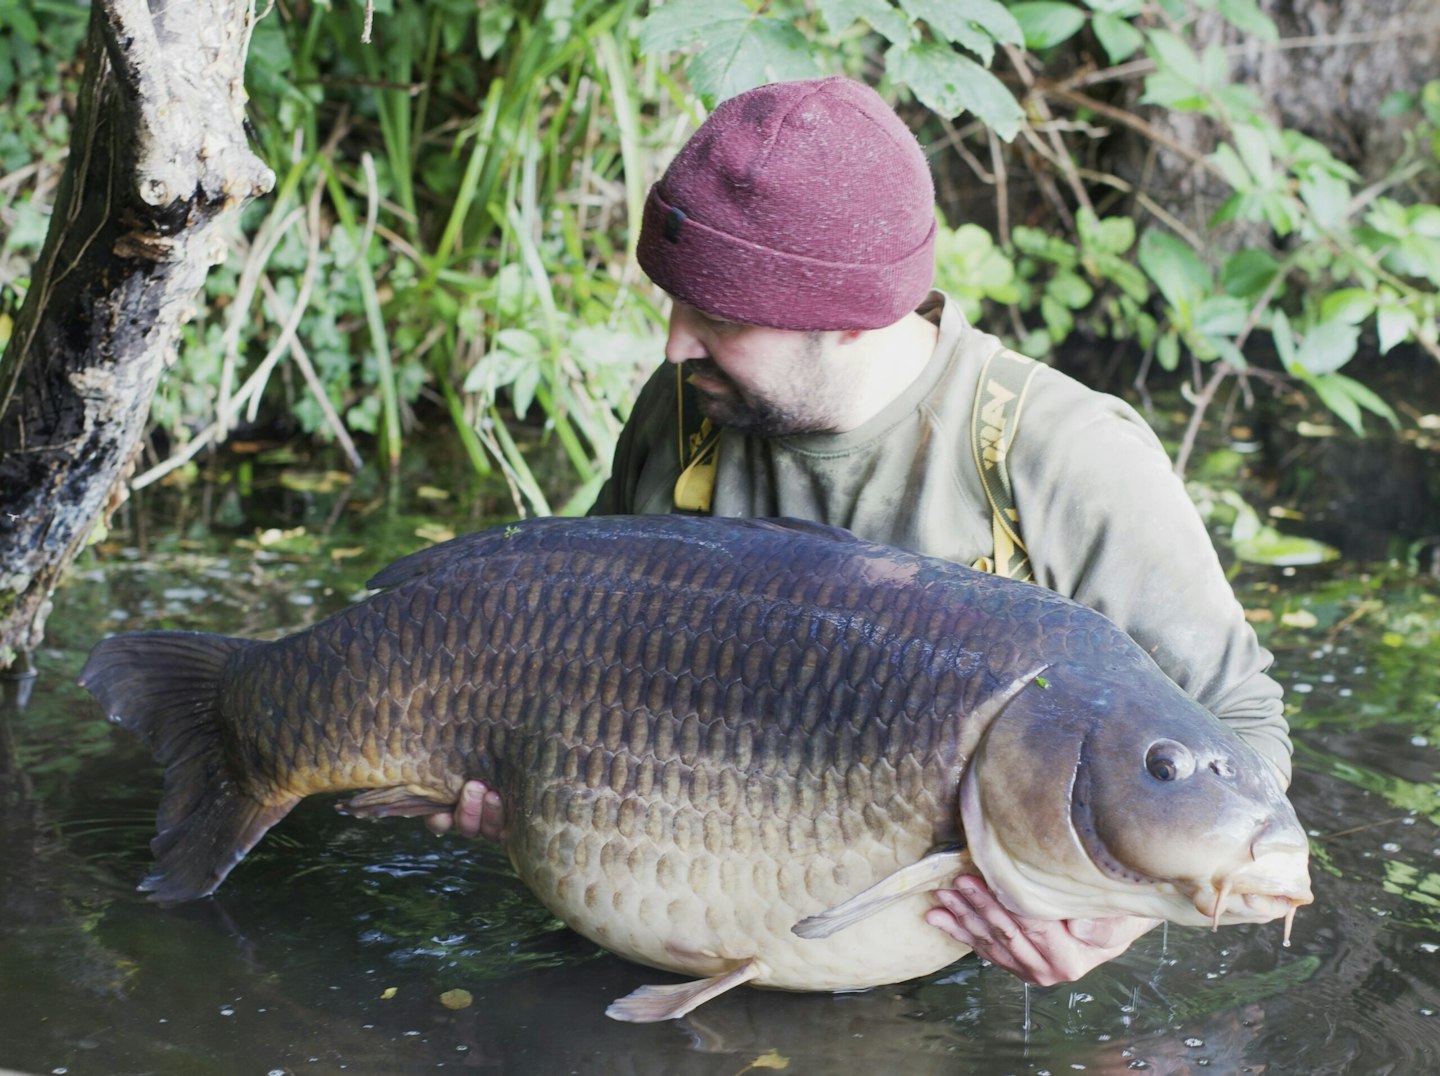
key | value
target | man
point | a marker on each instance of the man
(795, 234)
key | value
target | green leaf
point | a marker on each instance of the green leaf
(1328, 199)
(1173, 56)
(738, 49)
(1349, 306)
(949, 83)
(1246, 15)
(492, 27)
(1232, 167)
(673, 26)
(1167, 351)
(1176, 269)
(1247, 273)
(1169, 91)
(1395, 324)
(1116, 35)
(1327, 346)
(1395, 104)
(1254, 148)
(949, 24)
(953, 19)
(1346, 397)
(1284, 337)
(1058, 318)
(1221, 315)
(1071, 290)
(1046, 23)
(1125, 9)
(879, 15)
(1113, 235)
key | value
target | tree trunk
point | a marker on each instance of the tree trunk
(158, 166)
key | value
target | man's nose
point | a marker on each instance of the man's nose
(682, 343)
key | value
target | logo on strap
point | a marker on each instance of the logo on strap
(999, 394)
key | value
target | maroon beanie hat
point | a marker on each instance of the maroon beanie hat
(798, 205)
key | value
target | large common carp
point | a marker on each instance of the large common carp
(740, 749)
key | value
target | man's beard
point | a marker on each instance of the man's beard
(745, 412)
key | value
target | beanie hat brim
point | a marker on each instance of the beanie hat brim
(738, 280)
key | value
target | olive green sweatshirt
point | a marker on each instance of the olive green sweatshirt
(1104, 517)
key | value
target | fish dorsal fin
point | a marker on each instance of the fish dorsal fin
(933, 872)
(539, 535)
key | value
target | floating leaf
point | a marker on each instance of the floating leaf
(457, 999)
(771, 1059)
(389, 992)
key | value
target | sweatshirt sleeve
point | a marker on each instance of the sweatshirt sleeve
(1108, 522)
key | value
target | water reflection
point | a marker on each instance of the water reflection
(329, 948)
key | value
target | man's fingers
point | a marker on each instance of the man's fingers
(478, 813)
(470, 809)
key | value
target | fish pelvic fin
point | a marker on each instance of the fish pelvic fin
(164, 686)
(651, 1004)
(406, 801)
(935, 871)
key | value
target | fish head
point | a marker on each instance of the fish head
(1098, 795)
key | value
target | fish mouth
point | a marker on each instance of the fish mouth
(1260, 894)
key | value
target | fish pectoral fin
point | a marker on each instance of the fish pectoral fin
(405, 800)
(650, 1004)
(928, 874)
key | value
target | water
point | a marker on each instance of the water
(329, 949)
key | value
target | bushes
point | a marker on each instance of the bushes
(452, 228)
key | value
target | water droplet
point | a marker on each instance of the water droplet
(1427, 1012)
(1138, 1063)
(1419, 741)
(1303, 689)
(1193, 1042)
(1390, 846)
(227, 1010)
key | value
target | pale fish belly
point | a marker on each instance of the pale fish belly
(699, 891)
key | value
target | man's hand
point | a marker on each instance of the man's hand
(1039, 951)
(478, 813)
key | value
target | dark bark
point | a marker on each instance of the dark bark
(158, 166)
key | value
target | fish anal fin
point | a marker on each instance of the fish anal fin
(402, 800)
(933, 872)
(650, 1004)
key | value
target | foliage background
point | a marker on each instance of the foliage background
(450, 242)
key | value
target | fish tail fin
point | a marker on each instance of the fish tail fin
(164, 686)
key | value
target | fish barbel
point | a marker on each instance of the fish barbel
(739, 749)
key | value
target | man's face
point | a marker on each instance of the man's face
(768, 382)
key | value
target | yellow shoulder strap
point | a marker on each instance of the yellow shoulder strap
(699, 451)
(999, 394)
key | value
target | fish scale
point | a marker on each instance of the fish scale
(704, 732)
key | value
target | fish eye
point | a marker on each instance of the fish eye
(1167, 760)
